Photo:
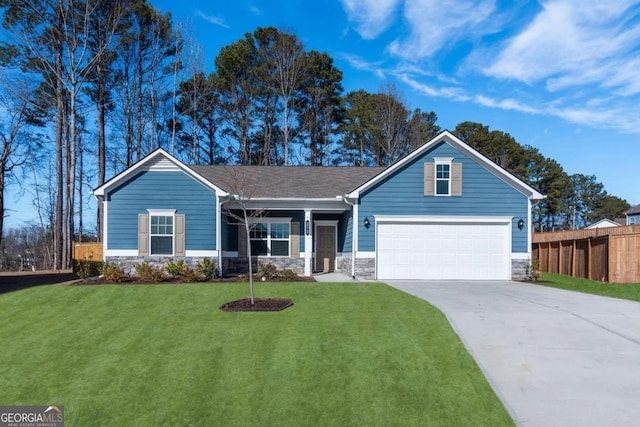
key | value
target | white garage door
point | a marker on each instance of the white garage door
(443, 248)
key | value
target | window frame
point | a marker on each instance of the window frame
(269, 239)
(632, 220)
(162, 213)
(442, 161)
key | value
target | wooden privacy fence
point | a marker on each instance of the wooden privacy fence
(87, 251)
(607, 254)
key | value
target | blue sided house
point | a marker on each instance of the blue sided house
(443, 212)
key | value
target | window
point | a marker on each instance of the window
(269, 239)
(632, 220)
(443, 178)
(161, 234)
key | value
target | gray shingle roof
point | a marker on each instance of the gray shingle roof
(307, 182)
(633, 210)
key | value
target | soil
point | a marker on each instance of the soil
(260, 304)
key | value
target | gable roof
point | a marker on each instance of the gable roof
(303, 182)
(294, 182)
(264, 182)
(605, 222)
(452, 140)
(158, 160)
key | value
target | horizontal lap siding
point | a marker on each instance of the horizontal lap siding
(162, 190)
(483, 194)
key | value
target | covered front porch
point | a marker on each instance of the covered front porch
(305, 240)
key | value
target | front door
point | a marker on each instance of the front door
(325, 248)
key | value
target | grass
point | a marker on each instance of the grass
(344, 354)
(630, 291)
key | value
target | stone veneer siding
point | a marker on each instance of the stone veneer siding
(240, 265)
(365, 267)
(127, 262)
(519, 269)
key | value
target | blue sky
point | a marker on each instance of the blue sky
(560, 75)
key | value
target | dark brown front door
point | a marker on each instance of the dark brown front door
(325, 248)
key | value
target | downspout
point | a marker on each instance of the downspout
(219, 233)
(354, 233)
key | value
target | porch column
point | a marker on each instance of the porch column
(308, 242)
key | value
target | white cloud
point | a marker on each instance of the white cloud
(436, 23)
(213, 19)
(359, 63)
(505, 104)
(575, 42)
(255, 10)
(372, 17)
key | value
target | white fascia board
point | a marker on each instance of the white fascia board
(447, 136)
(448, 219)
(134, 169)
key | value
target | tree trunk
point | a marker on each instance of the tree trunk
(57, 233)
(101, 146)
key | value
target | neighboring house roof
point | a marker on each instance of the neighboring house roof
(281, 182)
(633, 211)
(621, 221)
(451, 139)
(603, 223)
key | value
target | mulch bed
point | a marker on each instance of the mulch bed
(260, 304)
(173, 281)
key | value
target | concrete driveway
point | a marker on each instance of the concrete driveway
(554, 357)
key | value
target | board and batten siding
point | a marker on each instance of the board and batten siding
(483, 194)
(162, 190)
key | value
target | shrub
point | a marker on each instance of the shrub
(112, 272)
(148, 273)
(87, 268)
(287, 276)
(193, 275)
(176, 269)
(533, 270)
(207, 267)
(268, 271)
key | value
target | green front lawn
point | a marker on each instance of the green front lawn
(344, 354)
(630, 291)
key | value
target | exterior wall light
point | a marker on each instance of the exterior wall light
(307, 227)
(521, 223)
(367, 223)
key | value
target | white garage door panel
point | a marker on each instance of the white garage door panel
(443, 250)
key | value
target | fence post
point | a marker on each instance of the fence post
(589, 258)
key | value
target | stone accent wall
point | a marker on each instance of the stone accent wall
(365, 267)
(127, 262)
(343, 265)
(519, 269)
(240, 265)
